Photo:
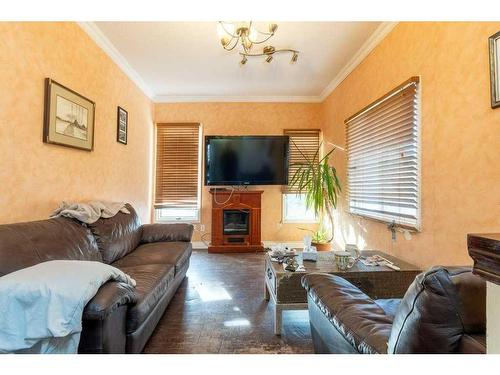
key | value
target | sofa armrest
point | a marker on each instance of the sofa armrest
(109, 298)
(359, 320)
(104, 319)
(166, 232)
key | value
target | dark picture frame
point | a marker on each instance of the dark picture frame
(68, 117)
(494, 44)
(121, 125)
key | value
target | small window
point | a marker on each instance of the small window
(304, 145)
(178, 160)
(383, 158)
(295, 210)
(177, 214)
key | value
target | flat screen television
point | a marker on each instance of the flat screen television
(246, 160)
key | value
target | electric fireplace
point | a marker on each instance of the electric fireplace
(235, 221)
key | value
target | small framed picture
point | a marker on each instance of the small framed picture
(122, 125)
(494, 42)
(68, 117)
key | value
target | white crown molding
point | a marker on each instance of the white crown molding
(373, 41)
(216, 99)
(105, 44)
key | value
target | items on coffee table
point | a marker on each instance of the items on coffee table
(377, 260)
(344, 260)
(291, 264)
(281, 252)
(353, 250)
(310, 254)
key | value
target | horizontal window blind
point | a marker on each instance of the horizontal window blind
(383, 158)
(177, 166)
(303, 147)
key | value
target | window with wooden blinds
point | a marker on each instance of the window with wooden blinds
(303, 147)
(177, 166)
(383, 166)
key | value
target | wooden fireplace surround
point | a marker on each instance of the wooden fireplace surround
(223, 199)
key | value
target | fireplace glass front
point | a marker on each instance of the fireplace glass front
(236, 222)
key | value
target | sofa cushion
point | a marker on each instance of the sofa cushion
(440, 306)
(363, 323)
(167, 232)
(153, 281)
(27, 244)
(175, 253)
(118, 235)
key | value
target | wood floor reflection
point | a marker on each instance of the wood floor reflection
(220, 308)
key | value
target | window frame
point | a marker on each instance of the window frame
(417, 227)
(156, 212)
(179, 219)
(285, 190)
(292, 221)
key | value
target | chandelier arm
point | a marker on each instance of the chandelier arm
(227, 48)
(286, 50)
(227, 32)
(262, 41)
(268, 54)
(247, 50)
(255, 54)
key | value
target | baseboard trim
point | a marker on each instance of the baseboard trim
(199, 245)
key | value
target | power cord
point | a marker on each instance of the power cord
(202, 238)
(227, 200)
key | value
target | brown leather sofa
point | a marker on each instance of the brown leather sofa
(119, 319)
(443, 311)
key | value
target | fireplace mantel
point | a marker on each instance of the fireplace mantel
(230, 201)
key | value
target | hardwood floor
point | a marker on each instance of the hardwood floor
(220, 308)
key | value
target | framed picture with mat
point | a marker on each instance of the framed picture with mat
(68, 117)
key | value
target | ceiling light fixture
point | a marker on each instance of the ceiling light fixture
(246, 35)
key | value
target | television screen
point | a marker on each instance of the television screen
(246, 160)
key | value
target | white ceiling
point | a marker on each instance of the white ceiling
(184, 61)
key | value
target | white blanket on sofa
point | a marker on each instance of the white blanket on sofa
(41, 307)
(90, 212)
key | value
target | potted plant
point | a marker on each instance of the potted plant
(319, 239)
(319, 182)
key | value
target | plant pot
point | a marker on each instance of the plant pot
(321, 246)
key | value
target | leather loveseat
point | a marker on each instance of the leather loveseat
(443, 311)
(119, 319)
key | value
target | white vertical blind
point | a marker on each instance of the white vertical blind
(383, 168)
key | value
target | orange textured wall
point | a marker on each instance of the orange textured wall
(34, 176)
(460, 137)
(247, 119)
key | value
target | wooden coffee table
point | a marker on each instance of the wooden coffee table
(287, 293)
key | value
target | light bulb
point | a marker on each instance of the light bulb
(253, 34)
(220, 31)
(272, 28)
(225, 30)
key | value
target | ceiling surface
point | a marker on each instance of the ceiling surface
(184, 61)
